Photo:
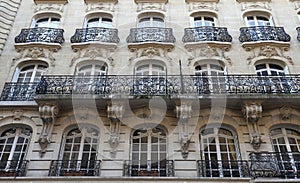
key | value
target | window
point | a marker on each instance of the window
(79, 150)
(13, 147)
(286, 143)
(199, 21)
(150, 68)
(99, 22)
(30, 73)
(151, 21)
(149, 152)
(92, 70)
(220, 152)
(50, 22)
(211, 78)
(258, 21)
(269, 70)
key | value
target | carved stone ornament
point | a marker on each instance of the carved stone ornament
(268, 51)
(184, 113)
(196, 6)
(18, 113)
(93, 53)
(150, 52)
(49, 7)
(207, 51)
(149, 6)
(35, 53)
(253, 112)
(296, 4)
(101, 6)
(115, 113)
(285, 112)
(47, 114)
(255, 5)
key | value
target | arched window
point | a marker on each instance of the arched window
(149, 152)
(150, 68)
(269, 69)
(50, 21)
(92, 70)
(79, 151)
(151, 20)
(258, 19)
(14, 144)
(286, 143)
(200, 19)
(220, 153)
(99, 20)
(30, 73)
(209, 70)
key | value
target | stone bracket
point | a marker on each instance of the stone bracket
(47, 114)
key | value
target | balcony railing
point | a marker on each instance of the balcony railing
(13, 168)
(40, 34)
(263, 33)
(164, 168)
(223, 168)
(95, 34)
(18, 92)
(75, 168)
(151, 34)
(169, 85)
(272, 164)
(206, 33)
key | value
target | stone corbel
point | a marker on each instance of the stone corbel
(184, 113)
(47, 114)
(115, 113)
(253, 112)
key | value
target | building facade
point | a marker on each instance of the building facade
(150, 91)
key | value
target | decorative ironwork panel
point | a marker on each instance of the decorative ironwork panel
(13, 168)
(41, 34)
(151, 34)
(263, 33)
(206, 33)
(18, 92)
(95, 34)
(75, 168)
(164, 168)
(169, 85)
(274, 164)
(222, 168)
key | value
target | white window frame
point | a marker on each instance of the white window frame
(99, 21)
(270, 70)
(258, 22)
(203, 22)
(150, 68)
(50, 22)
(93, 69)
(36, 70)
(149, 21)
(14, 144)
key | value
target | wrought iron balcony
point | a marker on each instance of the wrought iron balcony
(273, 164)
(151, 34)
(223, 168)
(164, 168)
(131, 85)
(75, 168)
(13, 168)
(206, 33)
(40, 34)
(263, 33)
(18, 92)
(95, 34)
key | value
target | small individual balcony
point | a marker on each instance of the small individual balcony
(275, 165)
(260, 34)
(223, 168)
(164, 168)
(206, 34)
(146, 36)
(13, 168)
(75, 168)
(18, 91)
(95, 35)
(40, 35)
